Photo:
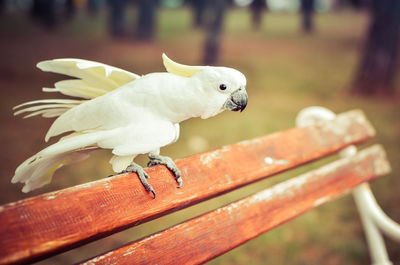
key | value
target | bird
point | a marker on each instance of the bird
(129, 114)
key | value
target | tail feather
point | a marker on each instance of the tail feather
(38, 170)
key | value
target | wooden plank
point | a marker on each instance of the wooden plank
(205, 237)
(37, 227)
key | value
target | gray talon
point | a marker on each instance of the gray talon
(143, 176)
(180, 182)
(169, 163)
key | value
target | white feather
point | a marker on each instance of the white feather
(47, 113)
(79, 88)
(97, 74)
(49, 101)
(40, 172)
(44, 107)
(48, 108)
(120, 163)
(37, 165)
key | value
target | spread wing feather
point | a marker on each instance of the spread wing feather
(93, 80)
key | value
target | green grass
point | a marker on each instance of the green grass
(286, 72)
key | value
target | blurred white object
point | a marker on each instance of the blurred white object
(284, 5)
(374, 220)
(172, 3)
(197, 144)
(242, 3)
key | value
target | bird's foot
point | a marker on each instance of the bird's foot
(143, 176)
(169, 163)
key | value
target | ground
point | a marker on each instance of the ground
(286, 72)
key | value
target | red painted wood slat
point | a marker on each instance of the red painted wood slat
(43, 225)
(221, 230)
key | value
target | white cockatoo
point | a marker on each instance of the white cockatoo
(124, 112)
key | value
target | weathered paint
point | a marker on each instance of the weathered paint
(271, 161)
(209, 157)
(321, 201)
(50, 197)
(98, 259)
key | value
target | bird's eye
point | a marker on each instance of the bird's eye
(222, 87)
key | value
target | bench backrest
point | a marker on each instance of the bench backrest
(41, 226)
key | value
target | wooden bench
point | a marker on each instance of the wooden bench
(51, 223)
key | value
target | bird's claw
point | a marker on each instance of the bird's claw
(143, 176)
(154, 160)
(169, 163)
(180, 181)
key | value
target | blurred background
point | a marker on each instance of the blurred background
(340, 54)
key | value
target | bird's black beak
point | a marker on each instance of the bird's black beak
(237, 101)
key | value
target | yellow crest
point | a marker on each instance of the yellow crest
(180, 69)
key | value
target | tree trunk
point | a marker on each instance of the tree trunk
(257, 8)
(70, 9)
(146, 19)
(117, 17)
(377, 67)
(214, 27)
(199, 7)
(44, 12)
(307, 10)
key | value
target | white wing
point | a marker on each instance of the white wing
(94, 80)
(141, 138)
